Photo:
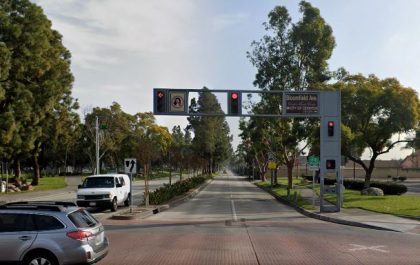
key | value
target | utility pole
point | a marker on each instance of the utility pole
(97, 145)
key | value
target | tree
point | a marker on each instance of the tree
(115, 128)
(6, 116)
(152, 143)
(61, 136)
(374, 110)
(38, 79)
(180, 148)
(292, 56)
(211, 134)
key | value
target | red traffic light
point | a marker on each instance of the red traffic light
(160, 102)
(330, 128)
(330, 164)
(234, 96)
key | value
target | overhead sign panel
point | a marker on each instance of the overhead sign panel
(300, 103)
(178, 102)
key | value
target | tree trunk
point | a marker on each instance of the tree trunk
(210, 166)
(37, 174)
(275, 177)
(17, 168)
(369, 170)
(170, 175)
(146, 184)
(289, 175)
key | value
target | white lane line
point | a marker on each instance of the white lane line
(232, 204)
(374, 248)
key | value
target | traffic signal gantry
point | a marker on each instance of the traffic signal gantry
(324, 105)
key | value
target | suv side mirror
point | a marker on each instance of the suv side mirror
(118, 185)
(79, 186)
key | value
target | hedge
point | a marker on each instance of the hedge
(167, 192)
(389, 188)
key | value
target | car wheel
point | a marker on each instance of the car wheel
(127, 202)
(40, 258)
(114, 205)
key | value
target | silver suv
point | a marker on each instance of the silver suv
(50, 233)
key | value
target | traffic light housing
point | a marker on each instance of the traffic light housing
(330, 164)
(234, 103)
(160, 101)
(330, 128)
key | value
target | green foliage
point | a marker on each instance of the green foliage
(211, 143)
(167, 192)
(281, 191)
(389, 188)
(35, 80)
(373, 110)
(291, 56)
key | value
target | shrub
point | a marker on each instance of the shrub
(389, 188)
(167, 192)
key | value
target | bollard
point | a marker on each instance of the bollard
(295, 197)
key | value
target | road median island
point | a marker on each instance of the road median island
(141, 212)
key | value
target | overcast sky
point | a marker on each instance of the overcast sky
(121, 50)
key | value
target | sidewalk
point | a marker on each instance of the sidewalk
(361, 218)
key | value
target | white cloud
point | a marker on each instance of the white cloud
(98, 31)
(226, 21)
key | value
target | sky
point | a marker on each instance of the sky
(121, 50)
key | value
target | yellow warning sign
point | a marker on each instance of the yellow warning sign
(272, 165)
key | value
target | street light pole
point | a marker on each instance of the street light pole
(97, 145)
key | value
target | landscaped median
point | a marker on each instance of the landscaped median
(166, 197)
(167, 192)
(405, 206)
(281, 191)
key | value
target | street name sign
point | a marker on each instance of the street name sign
(300, 103)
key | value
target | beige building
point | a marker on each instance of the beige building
(412, 161)
(384, 169)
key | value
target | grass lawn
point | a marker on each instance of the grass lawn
(49, 183)
(390, 204)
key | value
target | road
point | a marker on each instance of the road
(70, 194)
(233, 222)
(413, 187)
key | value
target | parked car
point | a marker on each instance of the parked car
(50, 233)
(106, 191)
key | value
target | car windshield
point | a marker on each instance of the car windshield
(98, 182)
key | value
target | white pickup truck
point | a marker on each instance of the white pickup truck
(106, 191)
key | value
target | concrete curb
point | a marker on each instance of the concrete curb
(323, 217)
(160, 208)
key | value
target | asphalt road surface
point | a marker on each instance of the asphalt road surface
(233, 222)
(70, 194)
